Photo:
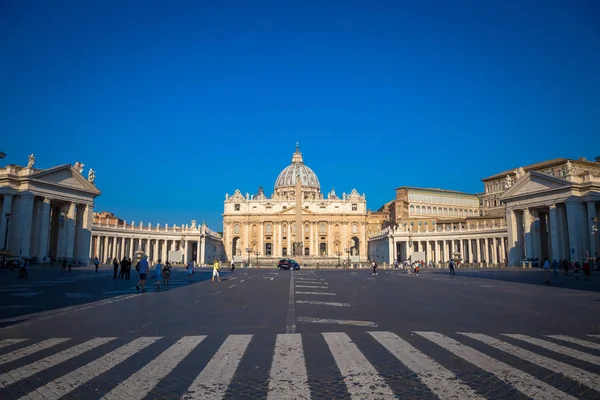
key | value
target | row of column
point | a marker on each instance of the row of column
(490, 250)
(559, 231)
(41, 228)
(108, 247)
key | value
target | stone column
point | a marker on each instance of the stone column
(494, 251)
(470, 250)
(391, 249)
(70, 223)
(591, 213)
(198, 255)
(6, 209)
(203, 250)
(164, 250)
(554, 234)
(502, 251)
(574, 220)
(527, 233)
(96, 248)
(514, 243)
(478, 247)
(42, 249)
(104, 249)
(24, 220)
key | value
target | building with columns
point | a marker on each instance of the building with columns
(296, 220)
(544, 210)
(114, 237)
(48, 211)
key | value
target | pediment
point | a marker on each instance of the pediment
(534, 182)
(292, 211)
(65, 176)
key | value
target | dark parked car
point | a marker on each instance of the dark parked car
(286, 263)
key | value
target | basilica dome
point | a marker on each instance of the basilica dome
(287, 177)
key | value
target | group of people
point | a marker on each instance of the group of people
(162, 273)
(567, 265)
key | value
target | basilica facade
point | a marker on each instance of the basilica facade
(297, 220)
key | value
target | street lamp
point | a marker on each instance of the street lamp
(348, 251)
(338, 253)
(257, 253)
(597, 235)
(8, 216)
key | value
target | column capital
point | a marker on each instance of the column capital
(552, 206)
(47, 200)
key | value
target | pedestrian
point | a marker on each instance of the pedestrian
(216, 270)
(232, 265)
(159, 273)
(115, 263)
(64, 264)
(167, 273)
(451, 265)
(547, 270)
(23, 268)
(128, 270)
(587, 269)
(374, 266)
(96, 263)
(190, 267)
(142, 267)
(69, 264)
(555, 267)
(123, 268)
(576, 268)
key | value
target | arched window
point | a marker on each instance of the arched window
(284, 251)
(306, 229)
(445, 211)
(323, 228)
(418, 209)
(268, 229)
(435, 210)
(354, 228)
(429, 210)
(236, 228)
(284, 229)
(412, 210)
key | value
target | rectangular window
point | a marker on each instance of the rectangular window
(354, 207)
(237, 207)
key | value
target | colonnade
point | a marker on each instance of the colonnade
(42, 227)
(471, 250)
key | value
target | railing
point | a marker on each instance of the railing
(157, 228)
(439, 230)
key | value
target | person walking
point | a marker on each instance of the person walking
(128, 269)
(555, 267)
(96, 263)
(451, 265)
(115, 263)
(547, 271)
(374, 266)
(159, 273)
(232, 265)
(190, 267)
(143, 271)
(216, 270)
(123, 268)
(586, 269)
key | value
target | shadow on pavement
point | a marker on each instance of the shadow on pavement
(47, 291)
(531, 277)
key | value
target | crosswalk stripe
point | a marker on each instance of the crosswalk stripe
(26, 371)
(317, 293)
(288, 378)
(312, 287)
(577, 374)
(34, 348)
(137, 386)
(361, 378)
(584, 343)
(596, 336)
(557, 348)
(323, 303)
(71, 381)
(214, 379)
(438, 379)
(10, 342)
(520, 380)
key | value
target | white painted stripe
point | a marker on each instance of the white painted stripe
(29, 370)
(214, 379)
(291, 312)
(317, 293)
(34, 348)
(438, 379)
(520, 380)
(584, 343)
(557, 348)
(596, 336)
(577, 374)
(137, 386)
(323, 303)
(322, 281)
(361, 378)
(71, 381)
(312, 287)
(288, 378)
(10, 342)
(337, 321)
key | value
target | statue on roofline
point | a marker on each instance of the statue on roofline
(91, 175)
(31, 161)
(79, 167)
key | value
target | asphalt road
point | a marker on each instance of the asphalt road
(263, 333)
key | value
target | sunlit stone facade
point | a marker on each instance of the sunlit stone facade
(266, 227)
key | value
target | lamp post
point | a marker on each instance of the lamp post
(248, 250)
(8, 216)
(257, 253)
(348, 251)
(597, 235)
(338, 253)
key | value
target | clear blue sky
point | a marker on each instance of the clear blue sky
(175, 103)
